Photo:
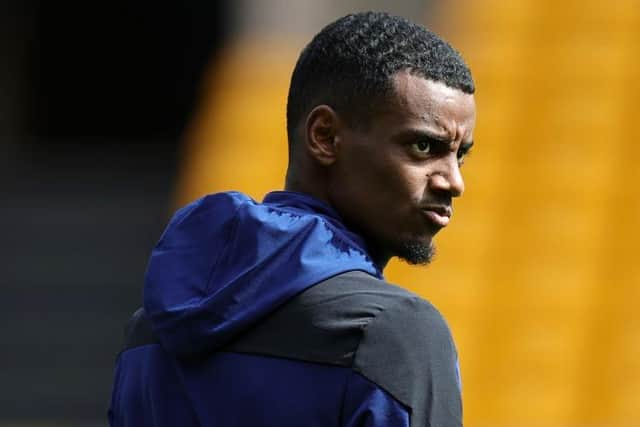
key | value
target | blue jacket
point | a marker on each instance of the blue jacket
(273, 314)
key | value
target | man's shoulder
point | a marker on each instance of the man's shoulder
(378, 304)
(391, 336)
(398, 326)
(348, 318)
(348, 315)
(407, 349)
(400, 304)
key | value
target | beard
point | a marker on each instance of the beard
(415, 252)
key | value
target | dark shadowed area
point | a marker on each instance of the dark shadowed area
(94, 98)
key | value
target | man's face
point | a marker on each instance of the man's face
(394, 181)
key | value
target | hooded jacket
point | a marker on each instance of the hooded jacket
(273, 314)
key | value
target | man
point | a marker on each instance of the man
(276, 313)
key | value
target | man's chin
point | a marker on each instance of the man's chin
(416, 252)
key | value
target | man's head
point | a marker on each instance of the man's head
(380, 114)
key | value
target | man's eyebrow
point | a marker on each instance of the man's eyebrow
(422, 134)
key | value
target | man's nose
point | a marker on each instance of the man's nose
(447, 178)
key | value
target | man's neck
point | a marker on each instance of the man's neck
(293, 183)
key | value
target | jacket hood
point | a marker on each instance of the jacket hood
(225, 261)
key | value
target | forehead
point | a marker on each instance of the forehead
(431, 103)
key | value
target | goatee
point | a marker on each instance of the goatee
(415, 252)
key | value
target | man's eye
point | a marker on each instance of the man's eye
(462, 155)
(423, 147)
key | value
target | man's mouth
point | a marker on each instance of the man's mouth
(438, 214)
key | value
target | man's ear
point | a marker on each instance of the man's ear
(321, 131)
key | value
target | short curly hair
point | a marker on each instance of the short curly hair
(349, 64)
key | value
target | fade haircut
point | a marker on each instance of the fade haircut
(349, 64)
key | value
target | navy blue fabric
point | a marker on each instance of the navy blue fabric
(148, 391)
(241, 390)
(225, 261)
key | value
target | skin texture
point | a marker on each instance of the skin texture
(392, 181)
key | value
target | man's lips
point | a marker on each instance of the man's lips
(438, 214)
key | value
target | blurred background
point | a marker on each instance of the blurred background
(114, 113)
